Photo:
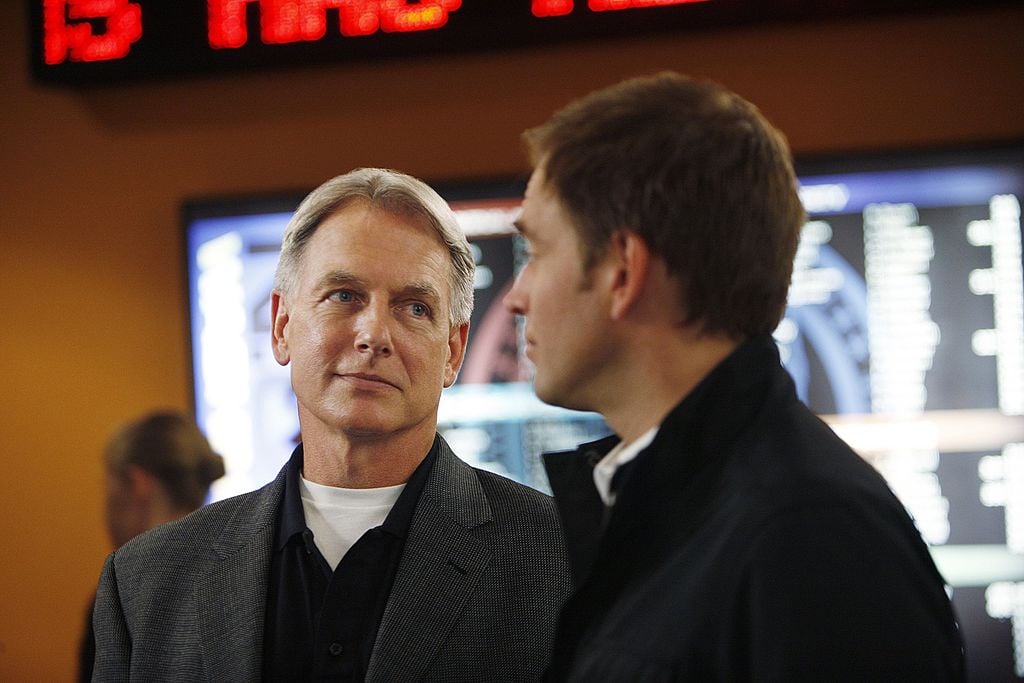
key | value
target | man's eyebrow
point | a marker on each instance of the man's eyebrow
(339, 278)
(343, 278)
(423, 290)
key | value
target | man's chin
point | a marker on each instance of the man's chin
(367, 423)
(552, 395)
(366, 426)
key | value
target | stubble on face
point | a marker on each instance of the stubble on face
(564, 332)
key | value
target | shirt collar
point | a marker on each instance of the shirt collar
(292, 520)
(400, 518)
(615, 458)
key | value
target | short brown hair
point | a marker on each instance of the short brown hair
(699, 174)
(169, 446)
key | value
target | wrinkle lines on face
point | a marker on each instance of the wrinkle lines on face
(337, 280)
(370, 343)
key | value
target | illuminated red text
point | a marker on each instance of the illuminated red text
(551, 8)
(68, 29)
(558, 8)
(292, 21)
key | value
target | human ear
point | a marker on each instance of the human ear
(141, 483)
(630, 260)
(456, 353)
(278, 328)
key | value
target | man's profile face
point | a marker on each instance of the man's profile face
(366, 325)
(564, 314)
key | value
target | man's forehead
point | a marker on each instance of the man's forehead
(538, 182)
(359, 213)
(358, 208)
(357, 246)
(540, 201)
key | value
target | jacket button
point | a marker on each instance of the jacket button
(335, 649)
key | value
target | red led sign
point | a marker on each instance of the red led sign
(290, 21)
(94, 41)
(69, 25)
(68, 31)
(558, 8)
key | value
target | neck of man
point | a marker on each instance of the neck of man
(166, 513)
(658, 369)
(360, 461)
(150, 511)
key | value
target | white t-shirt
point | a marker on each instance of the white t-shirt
(339, 517)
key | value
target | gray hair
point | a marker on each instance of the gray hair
(395, 193)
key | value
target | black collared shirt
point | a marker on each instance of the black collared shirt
(321, 625)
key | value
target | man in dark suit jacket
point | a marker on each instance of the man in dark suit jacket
(724, 533)
(376, 554)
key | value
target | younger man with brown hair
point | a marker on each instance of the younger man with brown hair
(725, 533)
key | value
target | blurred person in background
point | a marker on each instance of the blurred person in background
(159, 468)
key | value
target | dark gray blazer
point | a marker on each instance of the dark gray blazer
(478, 589)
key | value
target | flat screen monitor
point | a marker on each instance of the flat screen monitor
(903, 331)
(243, 398)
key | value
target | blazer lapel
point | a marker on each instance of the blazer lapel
(440, 567)
(231, 596)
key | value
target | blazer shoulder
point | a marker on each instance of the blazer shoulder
(499, 486)
(522, 512)
(238, 516)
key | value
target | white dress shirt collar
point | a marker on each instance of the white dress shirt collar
(620, 455)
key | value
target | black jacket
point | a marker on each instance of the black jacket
(748, 543)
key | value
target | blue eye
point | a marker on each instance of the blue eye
(419, 310)
(344, 295)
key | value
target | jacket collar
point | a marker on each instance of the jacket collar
(441, 559)
(571, 475)
(231, 596)
(671, 478)
(291, 518)
(442, 562)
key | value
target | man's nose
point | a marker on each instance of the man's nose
(373, 331)
(514, 300)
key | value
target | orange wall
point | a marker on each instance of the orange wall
(93, 326)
